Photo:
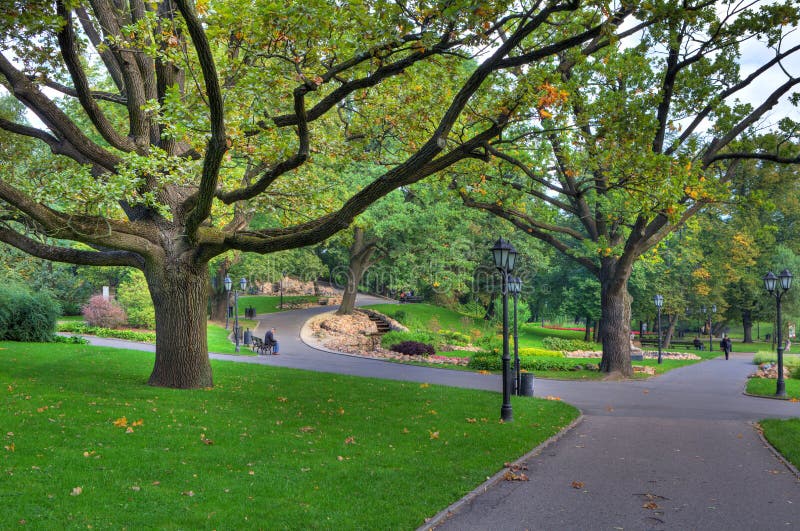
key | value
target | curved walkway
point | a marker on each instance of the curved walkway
(675, 452)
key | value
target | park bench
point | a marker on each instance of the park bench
(259, 346)
(654, 342)
(412, 298)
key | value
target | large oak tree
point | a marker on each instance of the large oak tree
(172, 121)
(622, 145)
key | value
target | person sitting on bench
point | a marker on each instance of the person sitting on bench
(697, 343)
(270, 342)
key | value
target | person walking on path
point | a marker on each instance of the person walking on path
(726, 345)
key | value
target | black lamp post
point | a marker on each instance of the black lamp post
(515, 286)
(771, 284)
(283, 275)
(504, 258)
(659, 302)
(228, 286)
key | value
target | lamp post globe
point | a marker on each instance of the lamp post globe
(227, 283)
(505, 257)
(777, 286)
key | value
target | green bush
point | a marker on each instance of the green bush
(535, 351)
(27, 316)
(399, 315)
(567, 345)
(486, 361)
(455, 338)
(790, 361)
(395, 337)
(129, 335)
(70, 340)
(134, 297)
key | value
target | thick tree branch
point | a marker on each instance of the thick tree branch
(721, 142)
(66, 41)
(217, 144)
(71, 256)
(53, 117)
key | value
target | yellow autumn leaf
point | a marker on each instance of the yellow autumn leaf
(121, 422)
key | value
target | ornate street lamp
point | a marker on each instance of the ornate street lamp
(505, 256)
(659, 302)
(515, 287)
(773, 288)
(228, 286)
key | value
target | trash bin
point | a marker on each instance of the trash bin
(248, 336)
(526, 384)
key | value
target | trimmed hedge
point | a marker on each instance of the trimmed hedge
(567, 345)
(486, 361)
(536, 351)
(27, 316)
(129, 335)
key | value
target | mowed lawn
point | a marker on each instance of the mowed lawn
(87, 444)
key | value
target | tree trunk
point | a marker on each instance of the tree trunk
(587, 333)
(360, 254)
(672, 321)
(747, 326)
(179, 295)
(219, 296)
(615, 307)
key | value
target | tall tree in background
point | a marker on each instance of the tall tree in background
(175, 120)
(622, 145)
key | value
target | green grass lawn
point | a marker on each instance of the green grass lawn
(86, 443)
(784, 435)
(766, 387)
(269, 303)
(220, 342)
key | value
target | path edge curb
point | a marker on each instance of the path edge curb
(793, 469)
(452, 509)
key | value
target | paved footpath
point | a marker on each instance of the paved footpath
(674, 452)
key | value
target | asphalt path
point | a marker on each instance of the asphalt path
(679, 451)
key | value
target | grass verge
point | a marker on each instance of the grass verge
(766, 387)
(88, 443)
(784, 435)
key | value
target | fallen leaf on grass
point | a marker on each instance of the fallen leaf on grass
(472, 421)
(76, 491)
(189, 493)
(350, 440)
(577, 484)
(129, 430)
(550, 397)
(282, 399)
(307, 429)
(121, 422)
(433, 434)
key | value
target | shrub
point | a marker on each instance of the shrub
(455, 338)
(487, 361)
(535, 351)
(134, 297)
(567, 345)
(27, 316)
(399, 315)
(71, 340)
(790, 361)
(103, 313)
(413, 348)
(130, 335)
(395, 337)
